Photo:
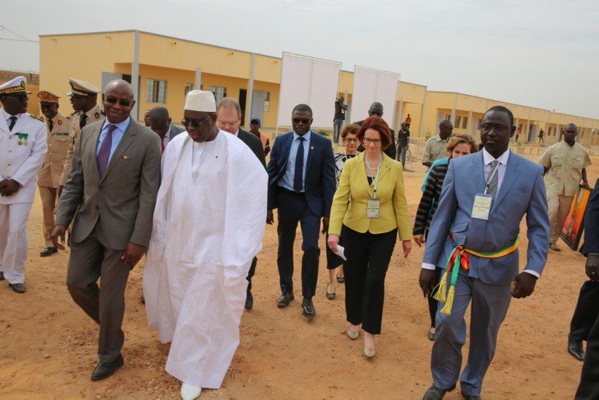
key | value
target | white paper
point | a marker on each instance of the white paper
(341, 252)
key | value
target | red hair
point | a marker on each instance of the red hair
(379, 125)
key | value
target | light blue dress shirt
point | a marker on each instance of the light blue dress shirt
(287, 181)
(117, 135)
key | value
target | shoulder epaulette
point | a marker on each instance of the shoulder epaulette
(38, 117)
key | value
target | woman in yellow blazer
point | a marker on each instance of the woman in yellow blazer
(369, 210)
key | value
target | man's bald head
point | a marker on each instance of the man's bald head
(118, 101)
(376, 108)
(160, 120)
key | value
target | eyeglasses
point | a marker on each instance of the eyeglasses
(304, 121)
(195, 123)
(122, 102)
(496, 127)
(372, 141)
(351, 140)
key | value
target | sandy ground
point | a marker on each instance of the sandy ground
(48, 345)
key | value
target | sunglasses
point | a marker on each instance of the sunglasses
(195, 123)
(304, 121)
(122, 102)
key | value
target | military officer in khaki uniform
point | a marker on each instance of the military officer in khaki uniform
(48, 177)
(84, 99)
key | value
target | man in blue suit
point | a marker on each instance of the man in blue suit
(301, 184)
(485, 196)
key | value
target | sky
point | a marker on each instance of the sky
(539, 53)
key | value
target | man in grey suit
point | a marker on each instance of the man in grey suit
(485, 196)
(228, 119)
(111, 194)
(160, 122)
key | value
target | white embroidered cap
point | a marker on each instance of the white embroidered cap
(200, 100)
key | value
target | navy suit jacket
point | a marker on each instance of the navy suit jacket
(319, 181)
(591, 223)
(522, 192)
(253, 143)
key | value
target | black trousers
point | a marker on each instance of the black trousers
(432, 302)
(293, 209)
(251, 272)
(368, 256)
(586, 311)
(588, 389)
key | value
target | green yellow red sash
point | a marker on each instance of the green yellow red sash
(459, 259)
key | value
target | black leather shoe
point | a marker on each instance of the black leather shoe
(575, 349)
(285, 299)
(1, 276)
(470, 397)
(434, 393)
(17, 287)
(308, 308)
(104, 369)
(48, 251)
(249, 301)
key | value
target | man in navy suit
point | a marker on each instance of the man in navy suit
(301, 184)
(588, 388)
(485, 196)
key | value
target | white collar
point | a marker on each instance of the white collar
(488, 158)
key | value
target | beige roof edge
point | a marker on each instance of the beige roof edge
(156, 34)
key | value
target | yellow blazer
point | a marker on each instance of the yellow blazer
(354, 189)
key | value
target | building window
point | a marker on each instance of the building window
(458, 119)
(219, 92)
(156, 91)
(465, 123)
(188, 88)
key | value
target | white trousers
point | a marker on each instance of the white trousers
(13, 240)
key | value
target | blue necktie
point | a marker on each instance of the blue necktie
(298, 178)
(104, 153)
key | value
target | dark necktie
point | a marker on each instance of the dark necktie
(50, 125)
(13, 121)
(298, 178)
(82, 120)
(492, 189)
(104, 153)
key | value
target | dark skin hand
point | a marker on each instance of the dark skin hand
(270, 218)
(130, 257)
(8, 187)
(427, 281)
(325, 224)
(523, 285)
(592, 267)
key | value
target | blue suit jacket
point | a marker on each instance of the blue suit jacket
(591, 223)
(319, 182)
(522, 192)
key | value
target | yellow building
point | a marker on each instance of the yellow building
(163, 69)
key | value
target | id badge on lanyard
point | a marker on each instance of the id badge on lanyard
(373, 205)
(481, 208)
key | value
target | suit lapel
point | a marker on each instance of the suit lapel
(478, 172)
(311, 151)
(511, 174)
(126, 140)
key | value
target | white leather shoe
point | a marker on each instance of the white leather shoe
(190, 392)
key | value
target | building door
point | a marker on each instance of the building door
(258, 102)
(242, 98)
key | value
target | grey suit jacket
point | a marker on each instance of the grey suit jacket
(124, 198)
(522, 192)
(174, 131)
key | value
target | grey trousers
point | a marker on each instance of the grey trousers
(489, 308)
(92, 259)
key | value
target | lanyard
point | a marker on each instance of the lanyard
(378, 169)
(491, 177)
